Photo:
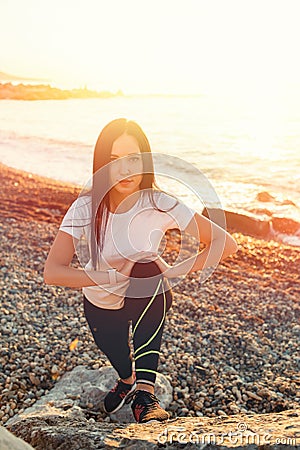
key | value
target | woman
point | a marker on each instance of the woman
(124, 217)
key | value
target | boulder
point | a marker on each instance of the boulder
(84, 390)
(265, 197)
(285, 225)
(239, 222)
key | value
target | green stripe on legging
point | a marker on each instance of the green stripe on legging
(147, 307)
(147, 353)
(144, 312)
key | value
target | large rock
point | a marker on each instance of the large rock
(85, 390)
(70, 418)
(69, 430)
(10, 442)
(239, 222)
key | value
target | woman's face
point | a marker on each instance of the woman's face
(126, 155)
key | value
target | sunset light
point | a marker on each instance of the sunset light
(158, 46)
(150, 223)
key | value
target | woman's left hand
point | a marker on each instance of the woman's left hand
(165, 268)
(168, 271)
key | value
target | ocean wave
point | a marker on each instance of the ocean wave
(13, 138)
(249, 209)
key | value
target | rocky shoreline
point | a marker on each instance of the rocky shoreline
(231, 345)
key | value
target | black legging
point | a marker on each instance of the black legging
(110, 328)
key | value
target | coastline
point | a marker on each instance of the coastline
(51, 198)
(25, 196)
(230, 344)
(9, 91)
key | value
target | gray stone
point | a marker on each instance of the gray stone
(10, 442)
(85, 390)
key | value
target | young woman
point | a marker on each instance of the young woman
(123, 218)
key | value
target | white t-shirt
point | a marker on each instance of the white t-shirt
(139, 229)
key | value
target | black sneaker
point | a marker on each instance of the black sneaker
(145, 407)
(121, 393)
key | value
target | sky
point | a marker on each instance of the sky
(153, 46)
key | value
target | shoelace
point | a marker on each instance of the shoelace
(115, 387)
(154, 398)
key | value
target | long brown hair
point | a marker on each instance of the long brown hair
(101, 184)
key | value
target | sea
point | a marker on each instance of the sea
(238, 152)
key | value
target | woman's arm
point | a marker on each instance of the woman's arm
(58, 272)
(219, 245)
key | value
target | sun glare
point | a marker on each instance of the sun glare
(166, 46)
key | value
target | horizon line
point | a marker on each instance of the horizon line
(7, 77)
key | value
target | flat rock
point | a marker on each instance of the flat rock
(69, 417)
(54, 429)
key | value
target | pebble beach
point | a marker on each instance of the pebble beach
(231, 344)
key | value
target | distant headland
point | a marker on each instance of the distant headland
(9, 91)
(30, 90)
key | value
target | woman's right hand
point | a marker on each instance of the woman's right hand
(123, 273)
